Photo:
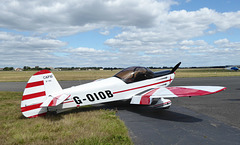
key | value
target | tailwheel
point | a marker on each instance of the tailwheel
(166, 107)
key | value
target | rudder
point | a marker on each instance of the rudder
(39, 87)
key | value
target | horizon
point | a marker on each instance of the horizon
(99, 67)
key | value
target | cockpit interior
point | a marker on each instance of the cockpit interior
(138, 73)
(134, 74)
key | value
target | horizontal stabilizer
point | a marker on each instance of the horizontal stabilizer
(54, 101)
(170, 92)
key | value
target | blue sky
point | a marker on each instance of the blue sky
(119, 33)
(92, 39)
(218, 5)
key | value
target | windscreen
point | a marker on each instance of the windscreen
(134, 74)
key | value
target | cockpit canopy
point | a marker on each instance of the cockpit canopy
(134, 74)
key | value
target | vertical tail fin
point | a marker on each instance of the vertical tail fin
(41, 85)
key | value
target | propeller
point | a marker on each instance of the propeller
(175, 67)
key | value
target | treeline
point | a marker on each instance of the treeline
(37, 68)
(27, 68)
(78, 68)
(8, 68)
(87, 68)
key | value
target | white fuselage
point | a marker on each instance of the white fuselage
(108, 90)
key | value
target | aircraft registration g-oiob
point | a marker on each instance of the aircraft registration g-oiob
(139, 84)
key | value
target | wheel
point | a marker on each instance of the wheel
(167, 107)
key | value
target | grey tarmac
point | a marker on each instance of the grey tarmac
(212, 119)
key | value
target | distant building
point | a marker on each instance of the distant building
(1, 69)
(18, 69)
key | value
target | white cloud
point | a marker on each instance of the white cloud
(225, 43)
(172, 37)
(84, 50)
(68, 17)
(151, 33)
(221, 41)
(191, 42)
(227, 20)
(18, 50)
(106, 32)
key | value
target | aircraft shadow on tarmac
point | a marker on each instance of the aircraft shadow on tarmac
(162, 114)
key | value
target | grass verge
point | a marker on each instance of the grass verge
(205, 72)
(81, 126)
(18, 76)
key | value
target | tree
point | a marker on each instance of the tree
(25, 68)
(8, 68)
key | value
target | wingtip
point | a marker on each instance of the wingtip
(222, 89)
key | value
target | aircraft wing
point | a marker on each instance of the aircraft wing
(145, 97)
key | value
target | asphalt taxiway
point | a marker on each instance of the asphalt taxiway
(212, 119)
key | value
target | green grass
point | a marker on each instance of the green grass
(206, 72)
(87, 125)
(13, 76)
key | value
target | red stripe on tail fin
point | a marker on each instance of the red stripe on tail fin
(31, 107)
(42, 72)
(39, 87)
(34, 95)
(35, 84)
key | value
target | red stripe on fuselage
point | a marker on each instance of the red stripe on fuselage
(142, 86)
(31, 107)
(34, 95)
(35, 84)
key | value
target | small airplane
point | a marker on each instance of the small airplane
(138, 84)
(232, 68)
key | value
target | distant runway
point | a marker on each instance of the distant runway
(213, 119)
